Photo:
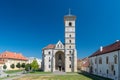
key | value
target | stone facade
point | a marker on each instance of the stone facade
(62, 57)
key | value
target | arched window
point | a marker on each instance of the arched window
(57, 46)
(70, 24)
(69, 46)
(70, 52)
(70, 66)
(49, 52)
(70, 35)
(70, 41)
(70, 58)
(49, 59)
(107, 60)
(115, 59)
(112, 67)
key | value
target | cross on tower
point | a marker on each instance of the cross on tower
(69, 11)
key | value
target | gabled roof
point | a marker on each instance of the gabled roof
(85, 62)
(59, 45)
(12, 55)
(110, 48)
(50, 46)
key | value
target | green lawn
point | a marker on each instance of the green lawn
(68, 76)
(54, 77)
(12, 71)
(38, 72)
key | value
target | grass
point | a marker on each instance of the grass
(38, 72)
(74, 76)
(12, 71)
(94, 76)
(54, 77)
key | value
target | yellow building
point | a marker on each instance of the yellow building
(9, 58)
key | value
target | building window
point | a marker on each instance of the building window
(107, 71)
(100, 60)
(112, 67)
(70, 58)
(49, 52)
(49, 66)
(61, 46)
(114, 72)
(95, 60)
(70, 52)
(107, 59)
(115, 59)
(70, 66)
(70, 35)
(70, 41)
(69, 46)
(49, 59)
(95, 70)
(70, 24)
(57, 46)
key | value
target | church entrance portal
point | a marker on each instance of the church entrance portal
(60, 61)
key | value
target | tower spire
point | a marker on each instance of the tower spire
(69, 11)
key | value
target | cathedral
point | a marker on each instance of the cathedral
(62, 56)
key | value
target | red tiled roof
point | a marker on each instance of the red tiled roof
(85, 62)
(50, 46)
(110, 48)
(11, 55)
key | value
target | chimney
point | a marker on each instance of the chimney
(101, 48)
(117, 40)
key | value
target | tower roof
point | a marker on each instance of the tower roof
(69, 16)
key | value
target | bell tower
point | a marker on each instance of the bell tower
(69, 21)
(70, 47)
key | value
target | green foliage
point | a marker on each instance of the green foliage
(23, 65)
(27, 67)
(34, 65)
(12, 66)
(18, 65)
(4, 67)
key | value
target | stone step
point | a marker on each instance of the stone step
(59, 73)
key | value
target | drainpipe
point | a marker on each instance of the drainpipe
(97, 64)
(118, 66)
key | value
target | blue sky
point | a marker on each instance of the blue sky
(26, 26)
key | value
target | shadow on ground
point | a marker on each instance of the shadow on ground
(93, 77)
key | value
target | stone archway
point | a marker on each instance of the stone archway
(60, 61)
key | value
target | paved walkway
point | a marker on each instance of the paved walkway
(2, 74)
(59, 73)
(17, 75)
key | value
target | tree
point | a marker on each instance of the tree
(27, 67)
(18, 65)
(23, 65)
(4, 67)
(12, 66)
(34, 65)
